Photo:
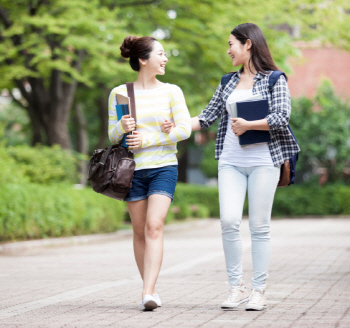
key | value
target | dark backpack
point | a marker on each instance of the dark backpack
(272, 81)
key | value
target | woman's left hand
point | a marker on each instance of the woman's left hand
(239, 125)
(134, 141)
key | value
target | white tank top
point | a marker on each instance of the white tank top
(233, 153)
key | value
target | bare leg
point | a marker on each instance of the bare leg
(158, 206)
(138, 211)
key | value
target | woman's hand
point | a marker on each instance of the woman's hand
(134, 141)
(166, 126)
(128, 123)
(239, 126)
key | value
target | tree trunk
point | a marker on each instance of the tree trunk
(183, 161)
(51, 106)
(102, 104)
(37, 127)
(82, 141)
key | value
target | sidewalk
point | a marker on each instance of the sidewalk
(98, 285)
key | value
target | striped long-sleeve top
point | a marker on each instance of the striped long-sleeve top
(152, 108)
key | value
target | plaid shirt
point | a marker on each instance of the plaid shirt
(282, 145)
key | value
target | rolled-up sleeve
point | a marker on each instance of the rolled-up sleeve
(213, 110)
(281, 105)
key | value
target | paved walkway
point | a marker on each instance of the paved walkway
(97, 285)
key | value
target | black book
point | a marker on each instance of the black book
(251, 111)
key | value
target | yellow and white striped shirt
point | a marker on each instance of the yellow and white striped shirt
(152, 108)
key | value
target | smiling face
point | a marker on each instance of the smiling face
(157, 60)
(238, 52)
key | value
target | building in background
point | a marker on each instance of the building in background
(316, 63)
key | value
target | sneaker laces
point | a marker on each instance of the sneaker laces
(256, 296)
(233, 291)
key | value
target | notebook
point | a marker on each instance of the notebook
(122, 109)
(233, 107)
(252, 110)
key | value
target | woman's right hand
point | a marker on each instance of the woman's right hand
(166, 126)
(128, 123)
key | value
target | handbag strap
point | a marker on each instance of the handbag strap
(105, 155)
(131, 95)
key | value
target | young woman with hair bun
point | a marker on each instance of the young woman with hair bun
(156, 174)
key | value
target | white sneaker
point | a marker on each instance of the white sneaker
(158, 301)
(257, 301)
(236, 295)
(149, 303)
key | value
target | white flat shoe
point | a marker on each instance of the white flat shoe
(149, 303)
(158, 301)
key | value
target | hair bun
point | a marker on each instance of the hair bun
(126, 45)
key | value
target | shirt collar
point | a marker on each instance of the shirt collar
(257, 77)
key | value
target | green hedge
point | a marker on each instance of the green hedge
(42, 164)
(187, 195)
(30, 211)
(312, 200)
(297, 200)
(36, 211)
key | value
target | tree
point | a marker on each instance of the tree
(44, 45)
(323, 134)
(50, 48)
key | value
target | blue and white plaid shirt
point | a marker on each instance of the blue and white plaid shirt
(282, 145)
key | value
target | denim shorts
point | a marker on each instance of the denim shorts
(161, 180)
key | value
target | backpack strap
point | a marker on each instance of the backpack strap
(273, 78)
(226, 78)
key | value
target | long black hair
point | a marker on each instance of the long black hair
(260, 55)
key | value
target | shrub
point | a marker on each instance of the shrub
(297, 200)
(36, 211)
(200, 211)
(9, 171)
(189, 194)
(44, 165)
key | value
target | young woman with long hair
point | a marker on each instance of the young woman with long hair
(255, 167)
(156, 174)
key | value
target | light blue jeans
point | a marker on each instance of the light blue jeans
(261, 182)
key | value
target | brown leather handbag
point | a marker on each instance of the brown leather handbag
(284, 175)
(111, 169)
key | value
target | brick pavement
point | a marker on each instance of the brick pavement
(97, 285)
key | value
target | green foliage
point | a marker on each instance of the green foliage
(44, 36)
(9, 172)
(79, 40)
(296, 200)
(322, 128)
(209, 165)
(43, 165)
(187, 195)
(30, 211)
(200, 211)
(183, 212)
(17, 129)
(312, 200)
